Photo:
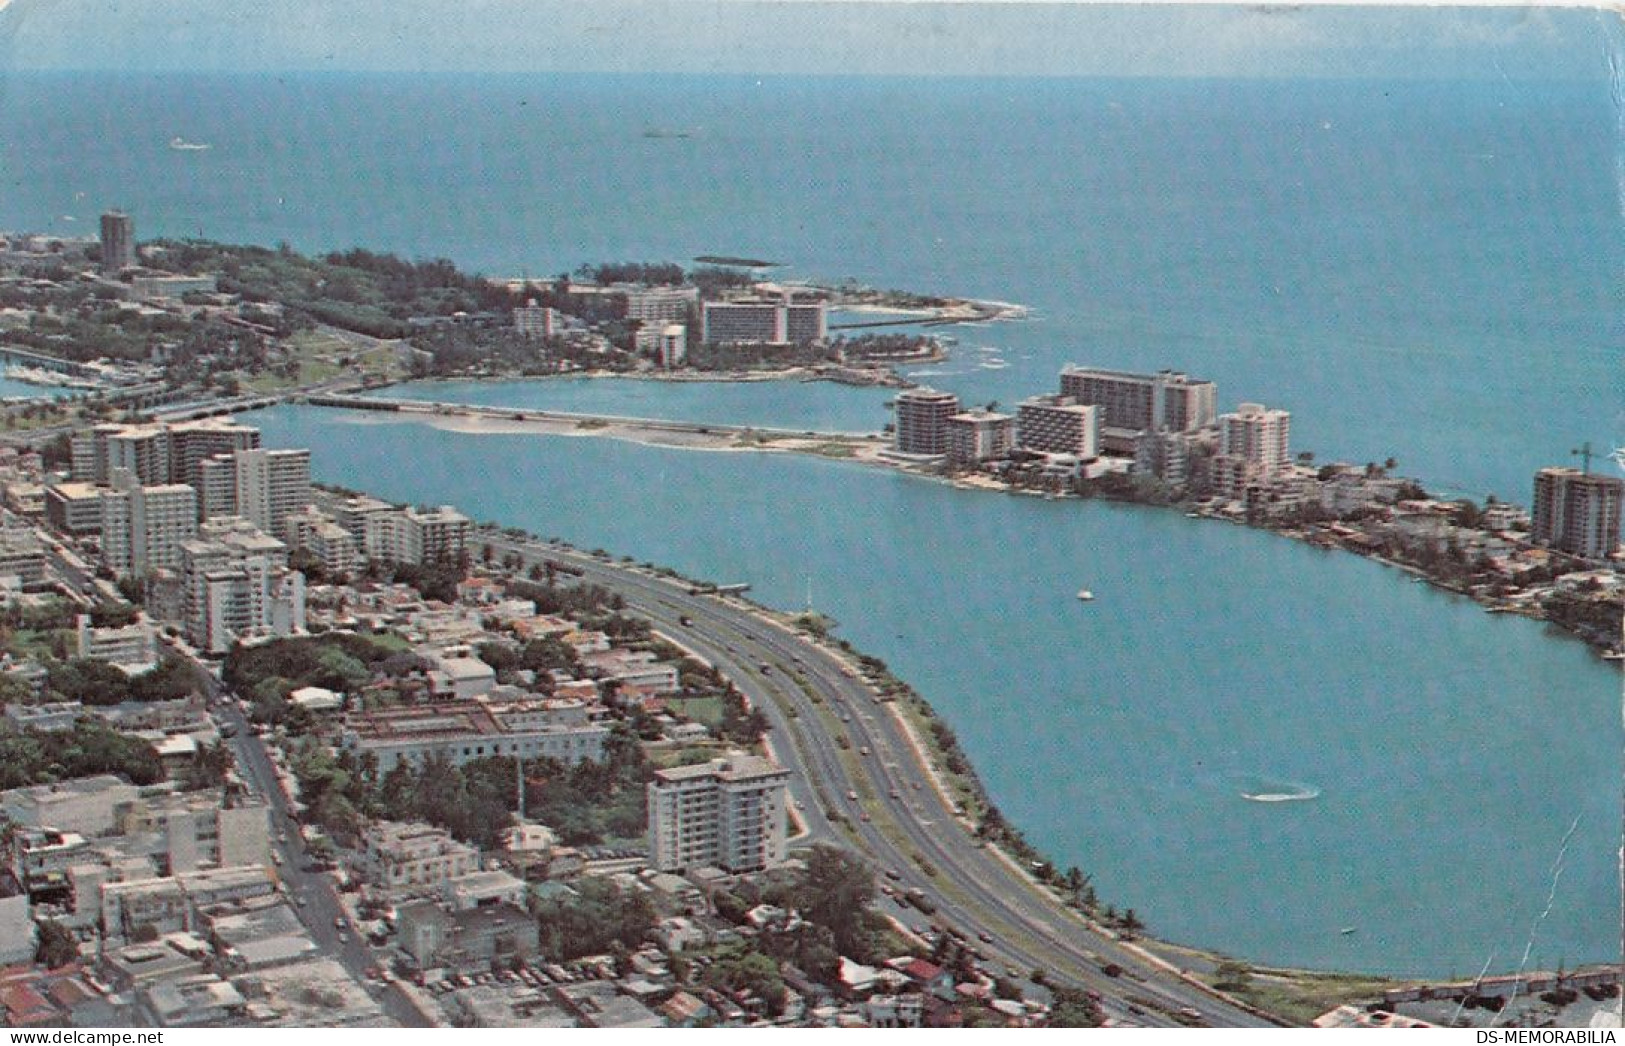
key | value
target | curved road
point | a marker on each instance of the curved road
(899, 819)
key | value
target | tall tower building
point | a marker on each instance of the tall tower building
(271, 486)
(1577, 512)
(118, 241)
(1259, 437)
(922, 420)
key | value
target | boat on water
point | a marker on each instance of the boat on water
(663, 132)
(180, 144)
(1085, 595)
(1345, 931)
(994, 363)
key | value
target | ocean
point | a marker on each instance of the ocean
(1423, 270)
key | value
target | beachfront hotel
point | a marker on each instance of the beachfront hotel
(979, 435)
(1577, 512)
(922, 421)
(763, 323)
(1143, 402)
(1058, 425)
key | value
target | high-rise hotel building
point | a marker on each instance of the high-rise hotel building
(1167, 400)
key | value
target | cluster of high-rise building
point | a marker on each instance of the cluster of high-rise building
(1162, 420)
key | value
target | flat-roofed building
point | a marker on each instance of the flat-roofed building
(728, 813)
(22, 556)
(86, 805)
(1577, 512)
(535, 321)
(271, 486)
(1258, 436)
(659, 306)
(414, 858)
(922, 421)
(763, 323)
(1140, 402)
(132, 648)
(979, 435)
(463, 731)
(74, 508)
(1058, 425)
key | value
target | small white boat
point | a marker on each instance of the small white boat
(180, 144)
(1345, 931)
(1085, 595)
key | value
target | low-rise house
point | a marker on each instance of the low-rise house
(483, 890)
(189, 1002)
(51, 717)
(471, 939)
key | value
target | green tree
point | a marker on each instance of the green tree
(57, 946)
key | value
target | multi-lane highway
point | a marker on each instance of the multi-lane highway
(860, 779)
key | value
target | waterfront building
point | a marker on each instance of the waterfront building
(728, 813)
(979, 435)
(194, 442)
(763, 323)
(462, 731)
(1170, 456)
(118, 241)
(1058, 425)
(535, 321)
(271, 485)
(142, 451)
(922, 421)
(1577, 512)
(657, 307)
(667, 343)
(1258, 436)
(1139, 402)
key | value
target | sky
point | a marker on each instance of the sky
(801, 37)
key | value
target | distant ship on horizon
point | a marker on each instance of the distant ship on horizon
(180, 144)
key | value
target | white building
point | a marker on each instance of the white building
(659, 306)
(728, 813)
(535, 321)
(271, 486)
(979, 435)
(237, 585)
(86, 805)
(143, 527)
(463, 731)
(1260, 437)
(1059, 425)
(414, 858)
(133, 648)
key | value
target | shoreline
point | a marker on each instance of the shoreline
(871, 449)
